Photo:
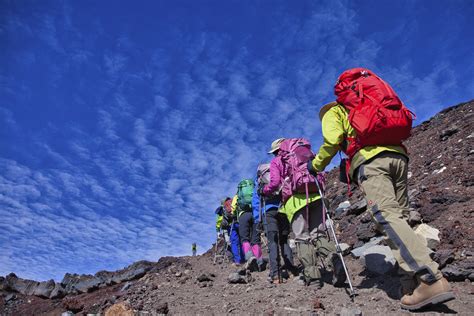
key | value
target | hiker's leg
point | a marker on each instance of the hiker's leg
(255, 242)
(287, 253)
(245, 231)
(377, 182)
(306, 250)
(399, 172)
(235, 244)
(272, 236)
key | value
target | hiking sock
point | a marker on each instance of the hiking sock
(247, 249)
(257, 251)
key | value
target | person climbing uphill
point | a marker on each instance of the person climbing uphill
(249, 236)
(378, 163)
(227, 225)
(304, 212)
(194, 249)
(276, 225)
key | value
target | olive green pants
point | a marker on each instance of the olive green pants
(384, 183)
(312, 244)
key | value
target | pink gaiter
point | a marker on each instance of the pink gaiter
(257, 251)
(246, 247)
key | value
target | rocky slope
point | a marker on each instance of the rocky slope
(441, 187)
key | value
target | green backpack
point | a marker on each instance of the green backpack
(244, 195)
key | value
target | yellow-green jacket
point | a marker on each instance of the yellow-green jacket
(295, 203)
(234, 206)
(336, 127)
(218, 222)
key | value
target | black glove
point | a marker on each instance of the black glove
(260, 189)
(311, 169)
(260, 227)
(224, 223)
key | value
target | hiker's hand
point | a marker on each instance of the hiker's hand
(260, 226)
(311, 169)
(224, 223)
(260, 189)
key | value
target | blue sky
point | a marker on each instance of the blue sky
(123, 123)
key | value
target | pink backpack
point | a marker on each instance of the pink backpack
(295, 154)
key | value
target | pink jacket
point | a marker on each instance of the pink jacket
(276, 176)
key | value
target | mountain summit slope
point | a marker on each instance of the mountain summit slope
(441, 187)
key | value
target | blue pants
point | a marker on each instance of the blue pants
(235, 243)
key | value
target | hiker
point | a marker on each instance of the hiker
(228, 226)
(249, 236)
(194, 248)
(304, 212)
(378, 163)
(276, 226)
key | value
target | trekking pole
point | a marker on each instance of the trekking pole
(215, 249)
(338, 247)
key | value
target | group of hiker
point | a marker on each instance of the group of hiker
(368, 123)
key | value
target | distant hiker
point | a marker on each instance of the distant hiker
(276, 225)
(304, 211)
(194, 248)
(228, 226)
(248, 227)
(368, 122)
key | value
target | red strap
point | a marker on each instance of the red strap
(307, 207)
(348, 166)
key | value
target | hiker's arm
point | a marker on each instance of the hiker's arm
(275, 178)
(218, 223)
(234, 206)
(333, 135)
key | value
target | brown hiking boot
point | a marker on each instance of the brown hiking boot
(428, 294)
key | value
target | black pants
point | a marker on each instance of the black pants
(248, 229)
(278, 229)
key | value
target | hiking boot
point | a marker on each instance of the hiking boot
(428, 294)
(338, 274)
(284, 274)
(315, 284)
(251, 264)
(299, 280)
(275, 280)
(262, 265)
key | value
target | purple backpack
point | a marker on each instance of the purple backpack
(295, 154)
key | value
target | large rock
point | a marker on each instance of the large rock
(342, 207)
(461, 271)
(365, 231)
(414, 218)
(429, 235)
(235, 278)
(26, 287)
(357, 252)
(119, 309)
(345, 248)
(350, 312)
(44, 289)
(85, 283)
(58, 291)
(358, 207)
(379, 259)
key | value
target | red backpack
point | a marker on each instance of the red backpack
(228, 205)
(376, 113)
